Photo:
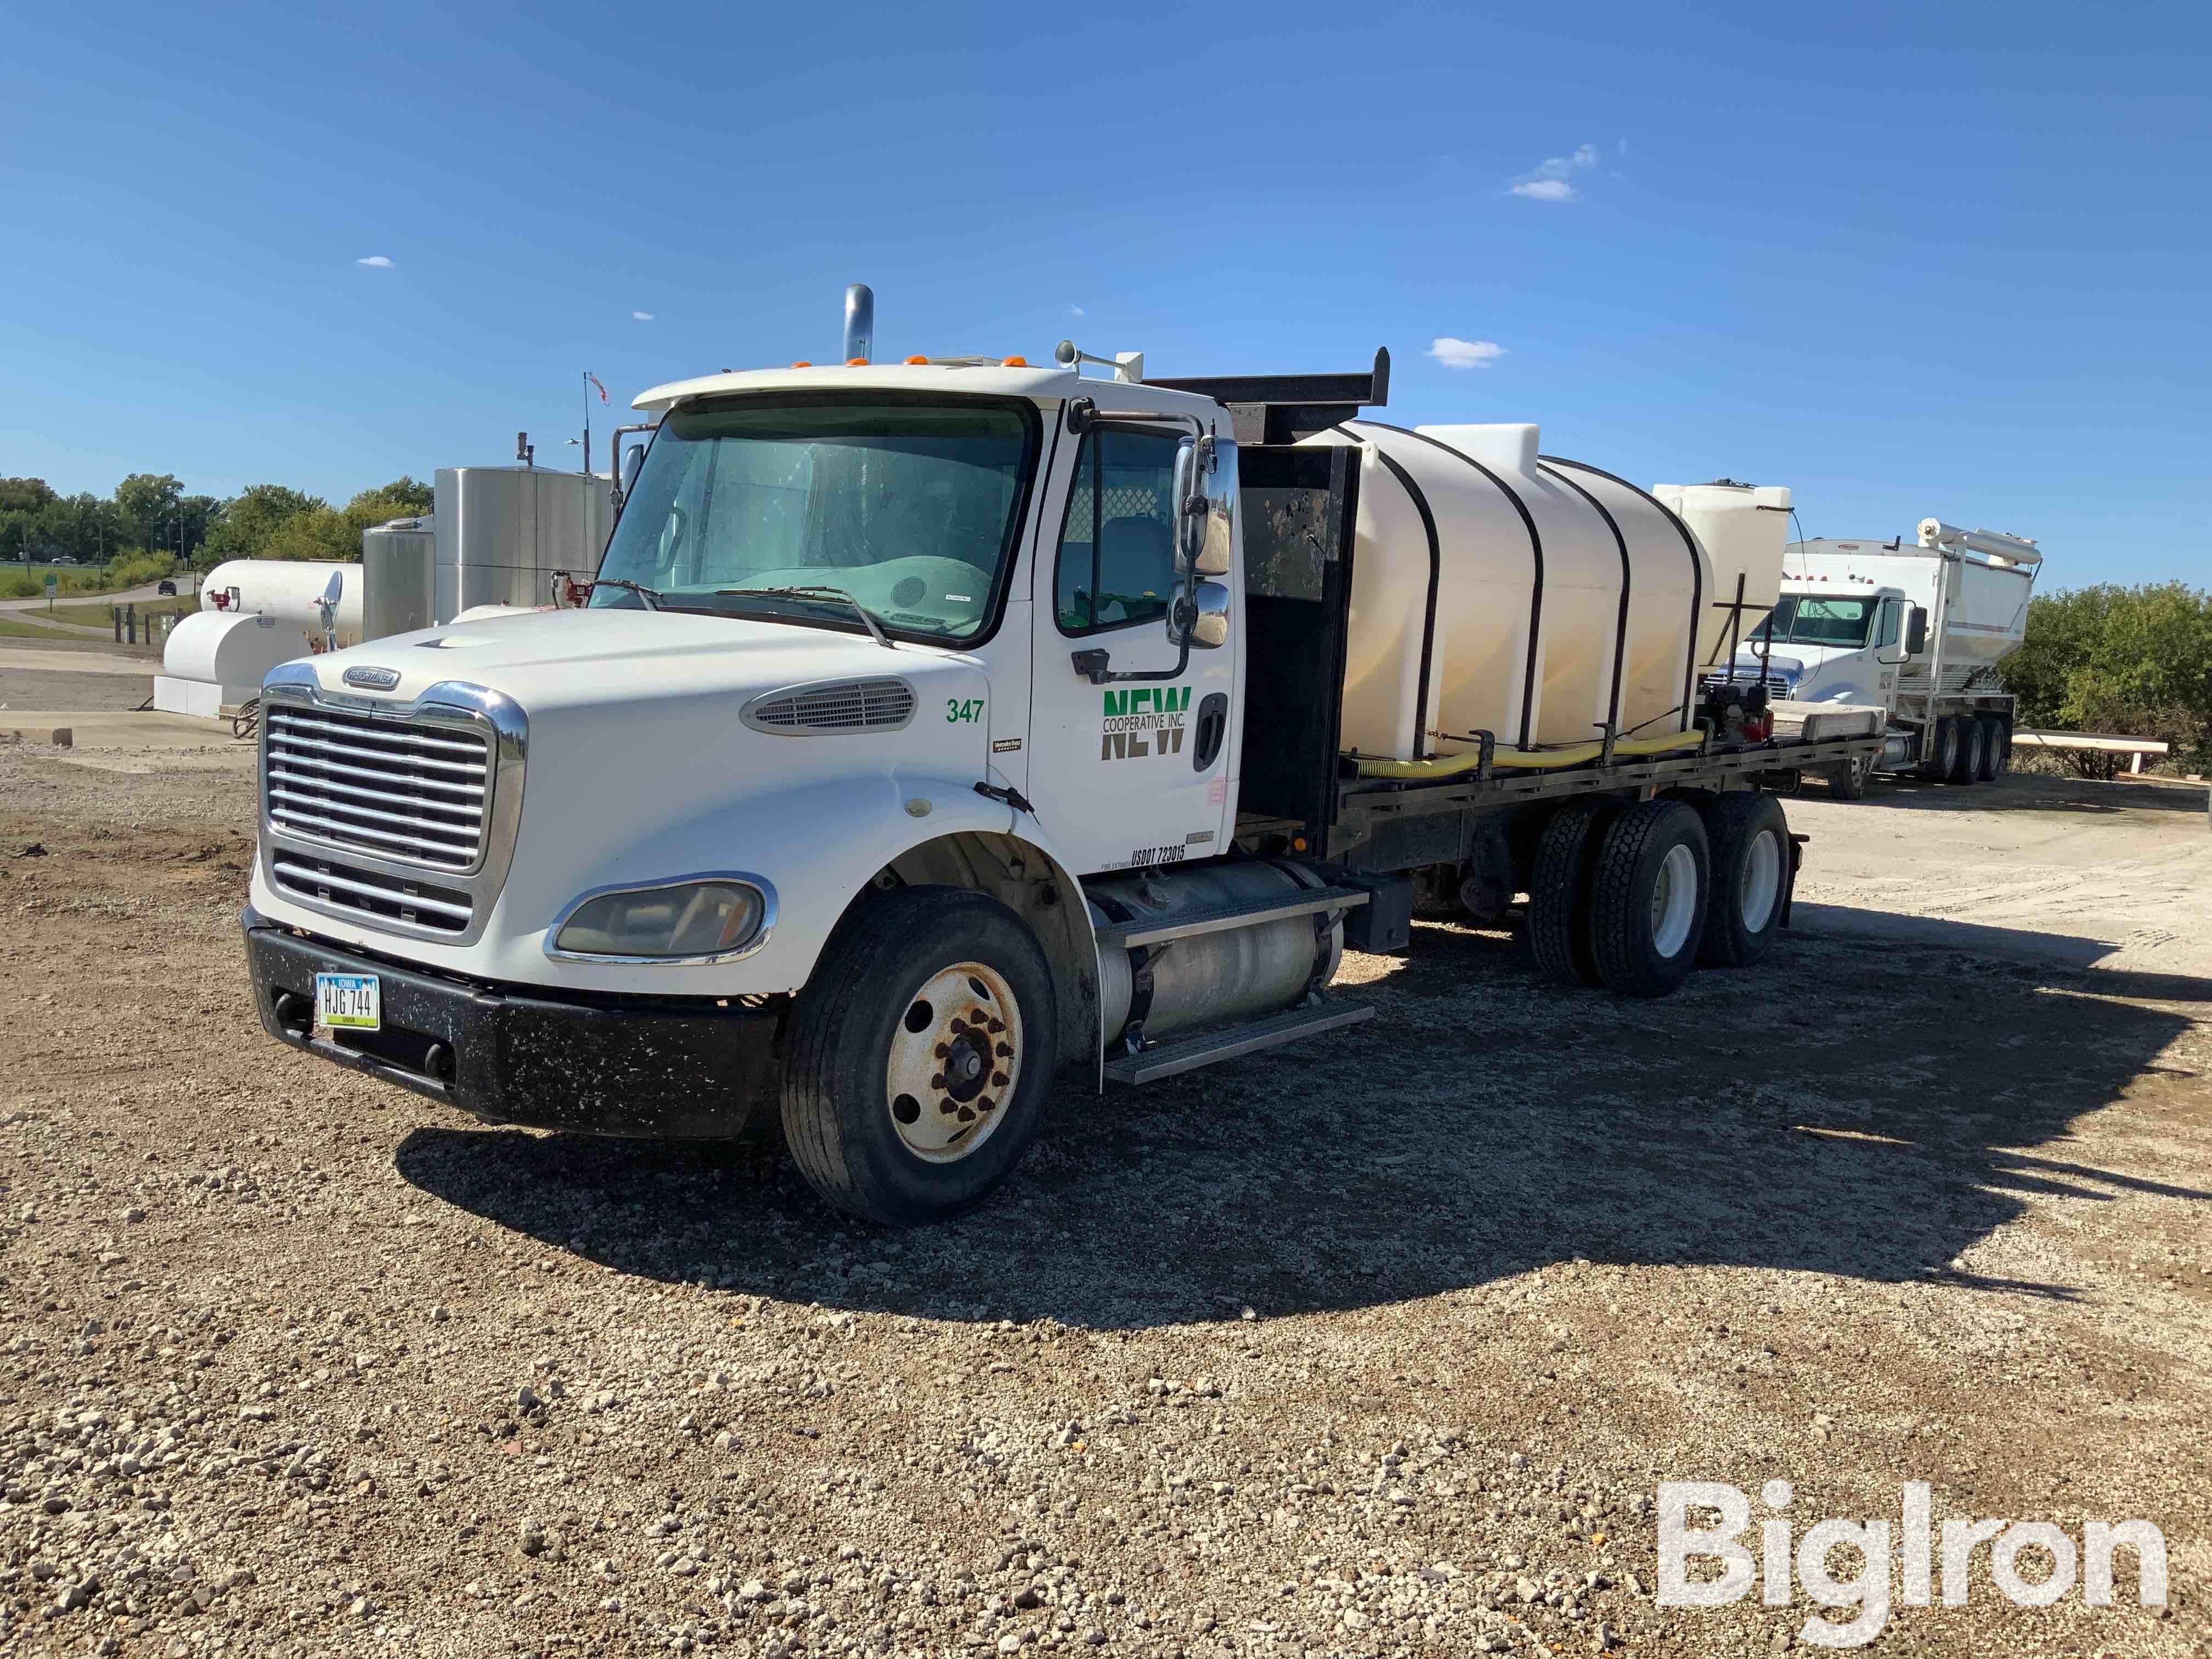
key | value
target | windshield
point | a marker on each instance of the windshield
(911, 508)
(1799, 620)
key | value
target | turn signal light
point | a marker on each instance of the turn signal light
(917, 358)
(802, 363)
(1013, 362)
(856, 362)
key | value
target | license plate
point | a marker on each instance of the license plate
(349, 1001)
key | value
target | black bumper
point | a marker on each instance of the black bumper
(617, 1066)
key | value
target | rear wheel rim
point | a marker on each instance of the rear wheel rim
(955, 1061)
(1761, 883)
(1673, 901)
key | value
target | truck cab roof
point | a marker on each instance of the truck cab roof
(990, 377)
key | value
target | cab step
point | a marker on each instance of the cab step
(1220, 918)
(1189, 1054)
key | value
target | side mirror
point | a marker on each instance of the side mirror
(631, 464)
(1202, 617)
(1916, 631)
(1189, 506)
(1215, 554)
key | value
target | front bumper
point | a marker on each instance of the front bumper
(628, 1066)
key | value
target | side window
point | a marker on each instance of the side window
(1886, 630)
(1116, 562)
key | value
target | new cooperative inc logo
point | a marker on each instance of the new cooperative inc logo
(1922, 1548)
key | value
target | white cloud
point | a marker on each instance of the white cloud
(642, 316)
(1076, 310)
(1465, 354)
(375, 261)
(1549, 182)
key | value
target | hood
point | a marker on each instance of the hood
(547, 660)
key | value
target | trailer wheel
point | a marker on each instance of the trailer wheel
(1748, 839)
(1940, 757)
(1973, 749)
(1647, 898)
(921, 1053)
(1559, 892)
(1994, 748)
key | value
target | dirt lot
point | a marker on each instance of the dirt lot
(1379, 1346)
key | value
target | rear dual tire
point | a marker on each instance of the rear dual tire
(1633, 897)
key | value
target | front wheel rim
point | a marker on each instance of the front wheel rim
(955, 1061)
(1762, 882)
(1673, 901)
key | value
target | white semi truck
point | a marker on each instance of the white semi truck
(1917, 630)
(935, 728)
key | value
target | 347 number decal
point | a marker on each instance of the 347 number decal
(962, 711)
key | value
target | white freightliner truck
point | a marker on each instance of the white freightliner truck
(933, 727)
(1917, 630)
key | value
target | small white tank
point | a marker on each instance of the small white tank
(1494, 589)
(288, 589)
(215, 662)
(1744, 528)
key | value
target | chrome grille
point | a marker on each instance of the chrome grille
(1778, 686)
(838, 706)
(344, 887)
(412, 790)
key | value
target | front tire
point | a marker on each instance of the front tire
(1749, 843)
(1647, 898)
(920, 1053)
(1849, 781)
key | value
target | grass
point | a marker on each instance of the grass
(96, 615)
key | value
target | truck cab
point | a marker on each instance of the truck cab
(1836, 643)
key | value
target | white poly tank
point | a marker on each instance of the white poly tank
(233, 652)
(288, 589)
(1497, 589)
(1743, 528)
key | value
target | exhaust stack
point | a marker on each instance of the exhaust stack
(860, 323)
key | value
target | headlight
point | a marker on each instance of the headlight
(704, 919)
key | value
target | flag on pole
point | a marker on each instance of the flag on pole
(594, 379)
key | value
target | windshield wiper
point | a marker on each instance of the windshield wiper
(814, 591)
(650, 595)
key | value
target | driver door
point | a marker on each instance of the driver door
(1128, 773)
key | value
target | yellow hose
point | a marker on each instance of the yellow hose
(1451, 766)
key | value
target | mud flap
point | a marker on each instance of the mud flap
(1789, 887)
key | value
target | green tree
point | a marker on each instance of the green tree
(249, 522)
(2132, 660)
(148, 501)
(21, 500)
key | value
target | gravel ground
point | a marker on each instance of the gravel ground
(1379, 1346)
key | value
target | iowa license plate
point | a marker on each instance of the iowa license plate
(349, 1002)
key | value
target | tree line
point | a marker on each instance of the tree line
(2134, 661)
(150, 526)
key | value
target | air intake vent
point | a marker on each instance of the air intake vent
(883, 705)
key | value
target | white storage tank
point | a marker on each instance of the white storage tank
(215, 662)
(1496, 589)
(288, 590)
(1744, 528)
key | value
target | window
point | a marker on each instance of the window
(1117, 561)
(912, 507)
(1886, 635)
(1809, 621)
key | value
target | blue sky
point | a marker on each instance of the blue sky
(1907, 261)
